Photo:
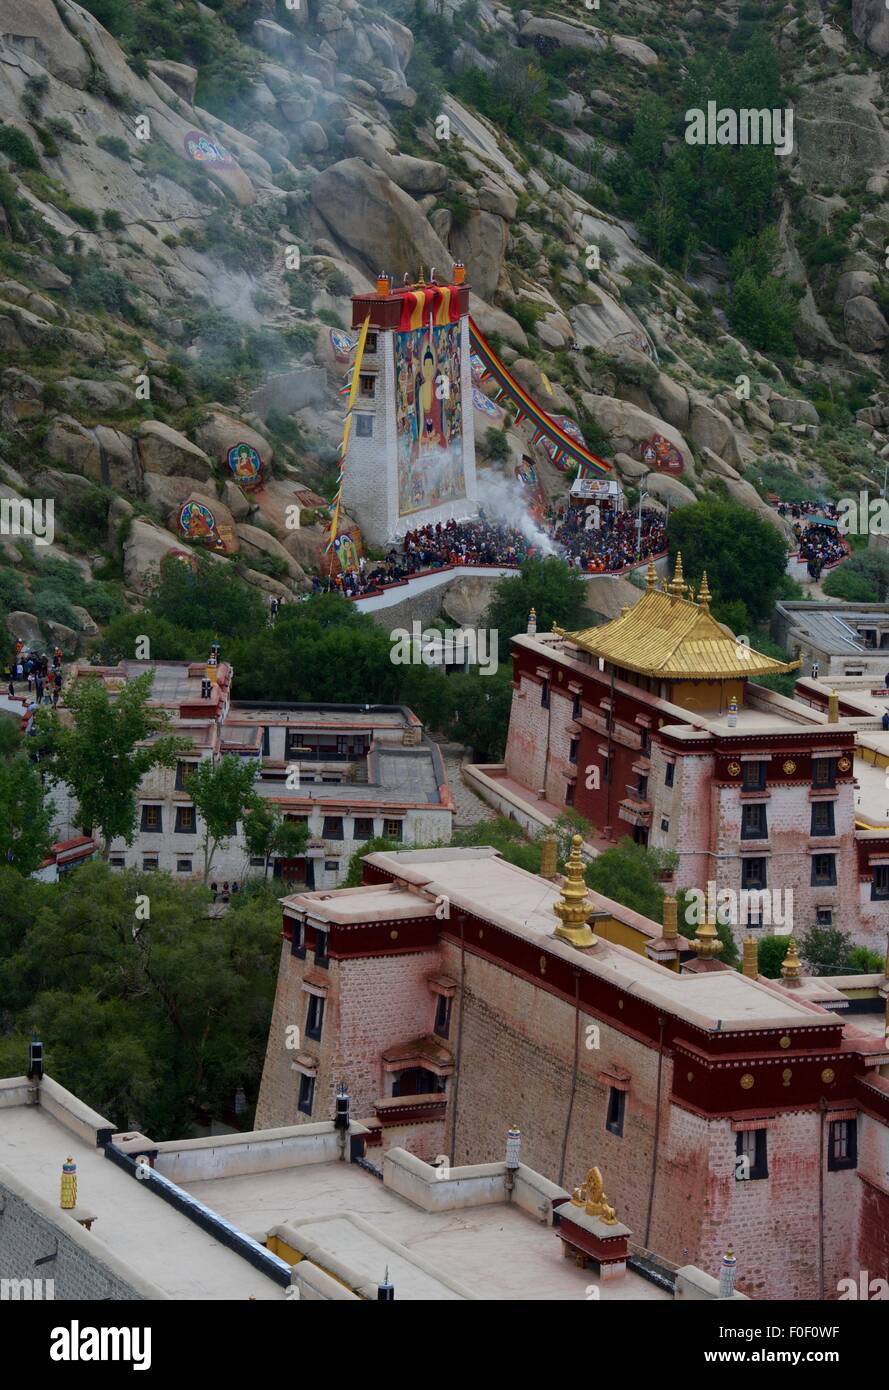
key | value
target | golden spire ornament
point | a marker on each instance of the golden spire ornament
(68, 1185)
(704, 594)
(650, 575)
(574, 907)
(792, 966)
(707, 943)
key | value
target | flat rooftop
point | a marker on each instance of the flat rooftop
(144, 1233)
(305, 716)
(409, 775)
(496, 1251)
(479, 881)
(833, 629)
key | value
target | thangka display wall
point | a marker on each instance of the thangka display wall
(429, 417)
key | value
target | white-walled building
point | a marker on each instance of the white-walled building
(350, 773)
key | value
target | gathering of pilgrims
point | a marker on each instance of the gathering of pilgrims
(619, 539)
(34, 676)
(614, 544)
(818, 545)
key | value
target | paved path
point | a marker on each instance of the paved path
(470, 808)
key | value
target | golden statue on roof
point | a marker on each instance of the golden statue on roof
(591, 1196)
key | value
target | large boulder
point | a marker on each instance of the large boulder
(119, 464)
(628, 426)
(606, 323)
(164, 450)
(870, 23)
(547, 34)
(481, 243)
(218, 433)
(839, 132)
(671, 401)
(854, 282)
(24, 627)
(668, 490)
(179, 76)
(792, 410)
(35, 28)
(635, 49)
(866, 329)
(415, 176)
(69, 443)
(376, 219)
(144, 549)
(492, 320)
(259, 544)
(165, 491)
(708, 428)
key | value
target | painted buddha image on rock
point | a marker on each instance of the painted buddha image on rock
(429, 420)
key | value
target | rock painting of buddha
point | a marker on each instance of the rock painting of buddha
(245, 464)
(429, 419)
(197, 523)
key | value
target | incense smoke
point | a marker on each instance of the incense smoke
(503, 500)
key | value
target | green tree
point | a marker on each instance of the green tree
(155, 1021)
(770, 953)
(206, 595)
(744, 556)
(25, 820)
(222, 793)
(826, 950)
(555, 590)
(631, 874)
(268, 833)
(104, 748)
(480, 711)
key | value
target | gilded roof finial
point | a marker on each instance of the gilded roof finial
(671, 917)
(574, 907)
(679, 586)
(750, 965)
(704, 593)
(549, 855)
(591, 1196)
(792, 967)
(707, 943)
(833, 708)
(422, 279)
(650, 575)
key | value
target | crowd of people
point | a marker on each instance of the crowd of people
(620, 539)
(818, 544)
(34, 676)
(615, 543)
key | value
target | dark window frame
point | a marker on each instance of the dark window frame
(820, 880)
(315, 1016)
(306, 1097)
(842, 1135)
(754, 811)
(746, 870)
(617, 1109)
(179, 828)
(669, 774)
(759, 1166)
(881, 893)
(147, 829)
(821, 808)
(748, 771)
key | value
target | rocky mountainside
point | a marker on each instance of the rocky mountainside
(189, 195)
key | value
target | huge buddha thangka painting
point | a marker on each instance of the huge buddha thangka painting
(428, 417)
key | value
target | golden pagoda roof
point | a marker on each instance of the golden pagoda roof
(670, 636)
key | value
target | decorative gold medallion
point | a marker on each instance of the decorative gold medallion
(843, 764)
(786, 1075)
(828, 1075)
(784, 1042)
(393, 935)
(543, 965)
(790, 767)
(747, 1081)
(734, 769)
(620, 1003)
(691, 1076)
